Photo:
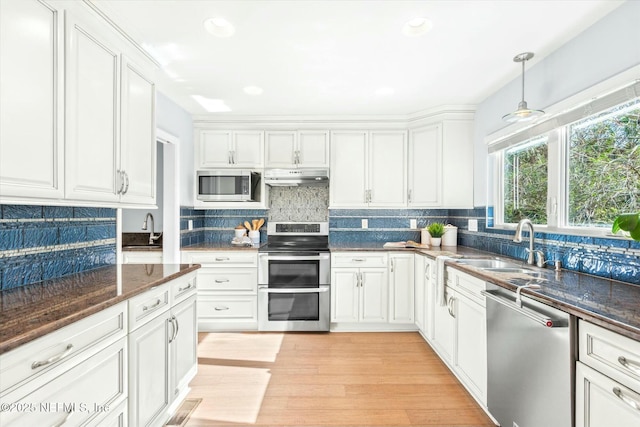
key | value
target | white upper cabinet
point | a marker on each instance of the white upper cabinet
(368, 169)
(138, 144)
(92, 145)
(387, 175)
(301, 149)
(425, 167)
(77, 119)
(31, 105)
(348, 168)
(233, 149)
(457, 164)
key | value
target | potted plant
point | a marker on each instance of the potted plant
(436, 230)
(630, 223)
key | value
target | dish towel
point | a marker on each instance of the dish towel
(441, 280)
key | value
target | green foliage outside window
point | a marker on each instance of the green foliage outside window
(604, 166)
(525, 182)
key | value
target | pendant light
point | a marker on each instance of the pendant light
(523, 113)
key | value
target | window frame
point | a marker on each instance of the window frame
(555, 125)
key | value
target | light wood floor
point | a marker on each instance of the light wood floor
(333, 379)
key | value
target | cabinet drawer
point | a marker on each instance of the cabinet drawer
(83, 395)
(359, 259)
(228, 280)
(221, 258)
(62, 347)
(610, 353)
(117, 416)
(140, 257)
(228, 307)
(148, 305)
(467, 285)
(183, 287)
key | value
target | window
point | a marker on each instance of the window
(577, 170)
(525, 181)
(604, 166)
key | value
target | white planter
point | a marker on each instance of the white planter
(435, 241)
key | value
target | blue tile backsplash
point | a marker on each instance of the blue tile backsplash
(216, 225)
(46, 242)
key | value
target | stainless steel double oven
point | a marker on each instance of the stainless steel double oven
(294, 278)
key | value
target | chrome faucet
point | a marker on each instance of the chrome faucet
(152, 236)
(534, 257)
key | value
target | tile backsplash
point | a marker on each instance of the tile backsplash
(216, 225)
(46, 242)
(299, 204)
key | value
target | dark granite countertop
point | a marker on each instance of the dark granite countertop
(609, 303)
(217, 247)
(29, 312)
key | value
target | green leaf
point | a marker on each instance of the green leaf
(635, 233)
(627, 222)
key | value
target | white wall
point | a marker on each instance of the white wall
(171, 118)
(609, 47)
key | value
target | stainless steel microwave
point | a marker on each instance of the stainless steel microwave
(228, 185)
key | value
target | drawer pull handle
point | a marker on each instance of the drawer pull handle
(629, 401)
(358, 259)
(53, 359)
(222, 280)
(221, 308)
(64, 420)
(222, 258)
(185, 288)
(154, 305)
(630, 365)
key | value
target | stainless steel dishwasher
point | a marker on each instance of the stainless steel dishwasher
(531, 361)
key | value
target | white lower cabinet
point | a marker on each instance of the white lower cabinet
(420, 293)
(359, 295)
(459, 333)
(401, 288)
(142, 257)
(227, 289)
(162, 350)
(607, 378)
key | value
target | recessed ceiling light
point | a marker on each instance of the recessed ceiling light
(385, 91)
(219, 27)
(211, 105)
(253, 90)
(417, 27)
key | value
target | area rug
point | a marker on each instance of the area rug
(183, 413)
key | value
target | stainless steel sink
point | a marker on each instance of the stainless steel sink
(488, 263)
(512, 270)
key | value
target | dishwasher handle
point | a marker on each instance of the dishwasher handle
(540, 318)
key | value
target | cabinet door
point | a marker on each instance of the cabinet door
(248, 149)
(373, 295)
(430, 296)
(471, 345)
(348, 169)
(149, 356)
(280, 149)
(420, 292)
(92, 116)
(602, 402)
(457, 164)
(388, 168)
(444, 328)
(184, 358)
(401, 288)
(344, 295)
(425, 167)
(214, 149)
(31, 105)
(313, 149)
(138, 144)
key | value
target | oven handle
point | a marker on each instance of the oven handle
(297, 258)
(293, 290)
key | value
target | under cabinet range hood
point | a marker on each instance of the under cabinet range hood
(295, 177)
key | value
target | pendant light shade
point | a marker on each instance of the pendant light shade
(523, 113)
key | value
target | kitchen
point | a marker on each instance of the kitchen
(64, 216)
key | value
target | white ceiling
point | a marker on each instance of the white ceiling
(330, 57)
